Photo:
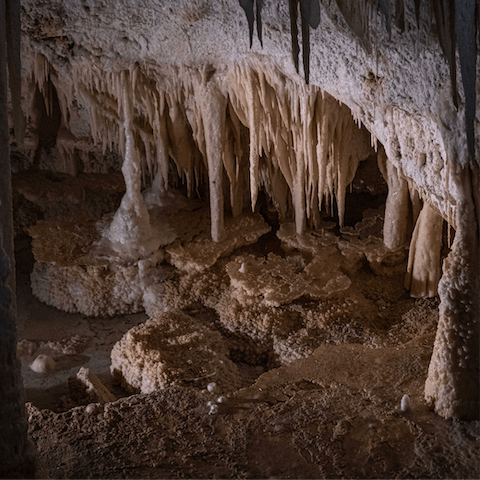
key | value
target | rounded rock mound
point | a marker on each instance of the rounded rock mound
(173, 349)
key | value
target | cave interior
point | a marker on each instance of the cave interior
(245, 238)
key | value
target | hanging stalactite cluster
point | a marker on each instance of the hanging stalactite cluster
(300, 145)
(457, 22)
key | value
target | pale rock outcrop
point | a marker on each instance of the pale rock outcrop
(277, 281)
(202, 251)
(88, 385)
(173, 348)
(191, 72)
(423, 270)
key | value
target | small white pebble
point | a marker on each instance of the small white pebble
(213, 409)
(221, 399)
(90, 408)
(242, 268)
(405, 404)
(210, 403)
(212, 387)
(43, 364)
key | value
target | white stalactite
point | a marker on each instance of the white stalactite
(213, 105)
(423, 271)
(395, 229)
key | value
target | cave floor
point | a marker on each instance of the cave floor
(332, 414)
(333, 411)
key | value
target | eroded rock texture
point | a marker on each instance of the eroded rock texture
(178, 91)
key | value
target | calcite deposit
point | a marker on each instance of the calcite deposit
(191, 99)
(173, 349)
(300, 176)
(240, 129)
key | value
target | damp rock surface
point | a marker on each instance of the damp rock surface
(173, 349)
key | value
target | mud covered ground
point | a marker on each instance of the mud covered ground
(322, 384)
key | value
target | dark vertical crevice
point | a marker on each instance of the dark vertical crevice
(400, 15)
(385, 8)
(294, 31)
(14, 66)
(466, 31)
(417, 11)
(16, 452)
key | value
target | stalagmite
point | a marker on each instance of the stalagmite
(452, 383)
(130, 231)
(423, 271)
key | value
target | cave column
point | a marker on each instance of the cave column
(130, 231)
(452, 385)
(214, 106)
(423, 270)
(16, 452)
(397, 207)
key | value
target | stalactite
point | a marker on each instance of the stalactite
(355, 13)
(259, 5)
(447, 13)
(423, 270)
(305, 15)
(253, 11)
(214, 111)
(305, 139)
(253, 121)
(400, 15)
(248, 7)
(294, 32)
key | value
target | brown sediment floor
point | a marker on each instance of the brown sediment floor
(332, 415)
(322, 386)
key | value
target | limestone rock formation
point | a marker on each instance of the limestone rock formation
(189, 97)
(173, 349)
